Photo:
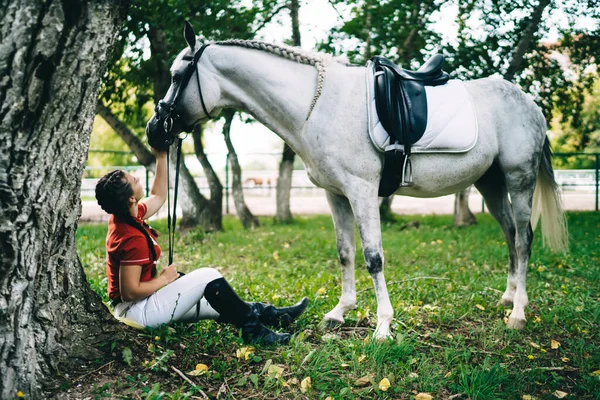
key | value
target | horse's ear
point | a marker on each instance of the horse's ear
(190, 36)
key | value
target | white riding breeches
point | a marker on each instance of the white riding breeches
(182, 300)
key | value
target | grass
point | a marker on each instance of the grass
(449, 333)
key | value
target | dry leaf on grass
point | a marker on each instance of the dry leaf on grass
(423, 396)
(200, 370)
(559, 394)
(365, 380)
(306, 384)
(554, 344)
(384, 384)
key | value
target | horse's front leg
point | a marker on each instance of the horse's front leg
(366, 210)
(343, 220)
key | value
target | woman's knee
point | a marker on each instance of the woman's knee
(206, 274)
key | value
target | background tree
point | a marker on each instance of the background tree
(52, 56)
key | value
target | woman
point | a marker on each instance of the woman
(137, 293)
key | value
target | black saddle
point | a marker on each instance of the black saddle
(402, 109)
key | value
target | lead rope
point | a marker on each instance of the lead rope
(172, 222)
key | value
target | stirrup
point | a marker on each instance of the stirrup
(407, 179)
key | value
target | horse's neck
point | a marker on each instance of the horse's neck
(274, 90)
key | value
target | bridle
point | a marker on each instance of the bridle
(170, 116)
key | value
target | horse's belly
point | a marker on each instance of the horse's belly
(437, 175)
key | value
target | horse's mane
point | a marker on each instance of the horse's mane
(318, 60)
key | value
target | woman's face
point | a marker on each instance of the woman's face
(136, 186)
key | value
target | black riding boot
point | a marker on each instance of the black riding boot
(278, 316)
(234, 310)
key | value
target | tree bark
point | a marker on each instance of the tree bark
(212, 215)
(52, 57)
(249, 221)
(462, 214)
(286, 167)
(284, 185)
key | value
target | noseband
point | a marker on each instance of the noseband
(171, 116)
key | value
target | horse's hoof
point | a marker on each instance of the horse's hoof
(506, 302)
(514, 323)
(331, 323)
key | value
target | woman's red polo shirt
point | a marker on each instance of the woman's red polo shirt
(126, 245)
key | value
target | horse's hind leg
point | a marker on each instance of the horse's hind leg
(493, 189)
(343, 220)
(520, 183)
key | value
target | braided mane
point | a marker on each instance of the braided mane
(315, 59)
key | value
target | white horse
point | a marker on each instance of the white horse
(318, 106)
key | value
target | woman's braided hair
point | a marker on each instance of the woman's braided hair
(112, 194)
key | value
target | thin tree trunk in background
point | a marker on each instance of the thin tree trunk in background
(212, 215)
(139, 150)
(286, 167)
(249, 221)
(462, 214)
(52, 57)
(524, 44)
(191, 202)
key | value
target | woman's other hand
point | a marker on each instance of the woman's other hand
(170, 273)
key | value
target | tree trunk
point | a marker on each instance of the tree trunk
(52, 57)
(212, 215)
(286, 167)
(284, 185)
(139, 150)
(249, 221)
(462, 214)
(192, 203)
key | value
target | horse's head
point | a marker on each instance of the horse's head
(184, 105)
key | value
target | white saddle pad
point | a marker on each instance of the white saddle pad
(451, 120)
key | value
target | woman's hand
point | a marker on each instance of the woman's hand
(170, 273)
(158, 153)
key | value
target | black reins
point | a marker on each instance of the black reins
(168, 124)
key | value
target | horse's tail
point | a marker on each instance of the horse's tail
(547, 202)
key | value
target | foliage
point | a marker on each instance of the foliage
(444, 284)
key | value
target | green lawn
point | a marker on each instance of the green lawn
(444, 283)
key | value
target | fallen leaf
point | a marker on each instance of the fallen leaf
(275, 256)
(559, 394)
(531, 357)
(362, 381)
(20, 394)
(245, 352)
(482, 308)
(384, 384)
(275, 370)
(537, 320)
(201, 369)
(285, 384)
(423, 396)
(565, 359)
(554, 344)
(527, 397)
(361, 358)
(413, 375)
(321, 291)
(344, 365)
(306, 384)
(595, 373)
(535, 345)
